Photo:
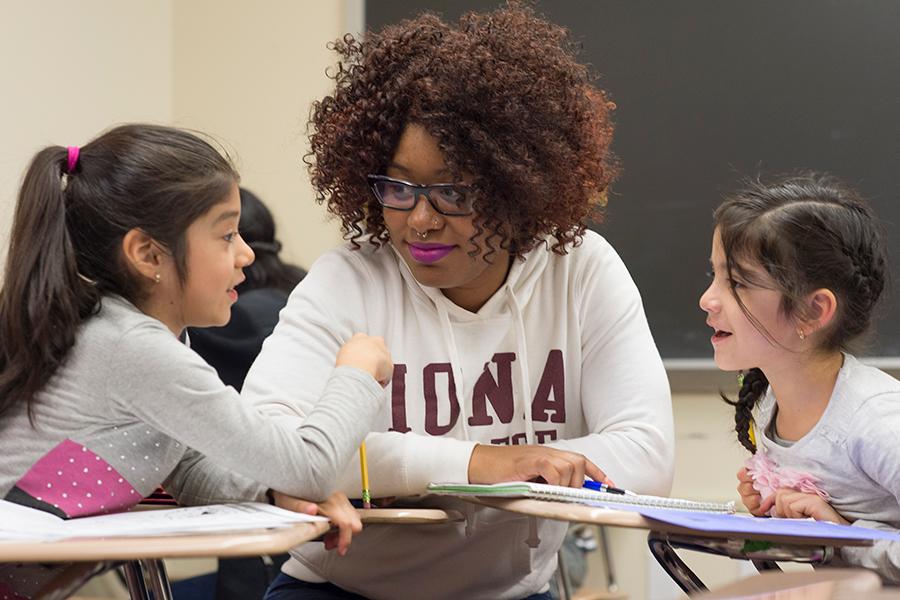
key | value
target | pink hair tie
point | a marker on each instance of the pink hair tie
(73, 158)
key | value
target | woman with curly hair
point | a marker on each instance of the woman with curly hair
(463, 161)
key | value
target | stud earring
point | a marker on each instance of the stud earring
(801, 334)
(156, 278)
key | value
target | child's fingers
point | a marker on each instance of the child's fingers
(295, 504)
(766, 505)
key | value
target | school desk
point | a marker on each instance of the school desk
(663, 538)
(142, 557)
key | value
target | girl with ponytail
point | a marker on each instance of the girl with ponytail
(798, 268)
(116, 248)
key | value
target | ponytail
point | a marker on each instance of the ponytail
(752, 388)
(65, 253)
(43, 298)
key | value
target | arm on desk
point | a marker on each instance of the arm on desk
(183, 398)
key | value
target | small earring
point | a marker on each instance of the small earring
(801, 334)
(156, 278)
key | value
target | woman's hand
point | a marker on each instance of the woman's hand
(493, 464)
(749, 496)
(338, 510)
(368, 354)
(791, 504)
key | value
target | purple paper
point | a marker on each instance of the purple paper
(741, 524)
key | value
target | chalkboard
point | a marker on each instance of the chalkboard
(709, 91)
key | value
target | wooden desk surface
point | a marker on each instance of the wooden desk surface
(580, 513)
(413, 516)
(240, 543)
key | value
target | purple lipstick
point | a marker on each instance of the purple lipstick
(428, 253)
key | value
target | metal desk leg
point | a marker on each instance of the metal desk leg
(134, 580)
(70, 579)
(159, 580)
(563, 584)
(765, 565)
(673, 565)
(611, 583)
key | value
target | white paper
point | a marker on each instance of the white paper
(21, 523)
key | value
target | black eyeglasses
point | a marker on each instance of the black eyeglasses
(451, 199)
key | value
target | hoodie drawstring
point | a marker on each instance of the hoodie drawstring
(533, 540)
(522, 357)
(450, 339)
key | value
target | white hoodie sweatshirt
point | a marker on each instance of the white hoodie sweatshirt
(560, 355)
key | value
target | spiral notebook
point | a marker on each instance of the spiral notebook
(543, 491)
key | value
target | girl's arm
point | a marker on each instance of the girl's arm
(163, 383)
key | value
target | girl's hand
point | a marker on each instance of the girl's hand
(493, 464)
(791, 504)
(749, 496)
(338, 510)
(369, 354)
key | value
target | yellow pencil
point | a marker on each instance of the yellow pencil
(364, 469)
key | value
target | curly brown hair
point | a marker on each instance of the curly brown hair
(505, 97)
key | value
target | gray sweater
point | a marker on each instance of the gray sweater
(132, 408)
(854, 453)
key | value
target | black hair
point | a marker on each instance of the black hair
(808, 232)
(258, 230)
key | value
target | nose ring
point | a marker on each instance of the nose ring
(421, 235)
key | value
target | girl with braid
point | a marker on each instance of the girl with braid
(798, 268)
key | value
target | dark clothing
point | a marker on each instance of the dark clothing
(286, 587)
(231, 349)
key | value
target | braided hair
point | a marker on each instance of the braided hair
(753, 386)
(808, 232)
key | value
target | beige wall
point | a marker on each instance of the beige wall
(248, 72)
(244, 72)
(69, 70)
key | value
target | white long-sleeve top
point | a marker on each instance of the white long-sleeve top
(560, 355)
(854, 453)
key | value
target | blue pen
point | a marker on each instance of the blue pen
(602, 487)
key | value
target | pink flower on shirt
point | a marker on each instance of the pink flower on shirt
(769, 477)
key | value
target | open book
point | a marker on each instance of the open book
(22, 523)
(543, 491)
